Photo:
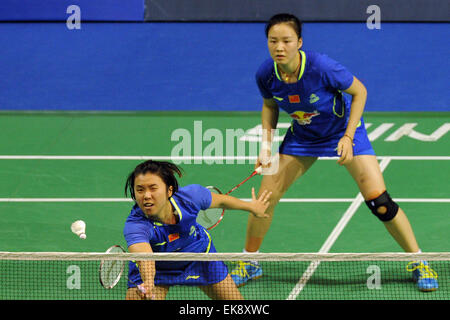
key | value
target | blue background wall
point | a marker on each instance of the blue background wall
(208, 66)
(306, 10)
(55, 10)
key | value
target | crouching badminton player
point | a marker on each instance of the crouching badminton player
(163, 219)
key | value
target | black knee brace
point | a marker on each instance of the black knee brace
(383, 207)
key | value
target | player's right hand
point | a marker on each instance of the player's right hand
(264, 159)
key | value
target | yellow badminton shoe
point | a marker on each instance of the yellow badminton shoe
(423, 275)
(246, 271)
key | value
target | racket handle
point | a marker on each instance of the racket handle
(257, 171)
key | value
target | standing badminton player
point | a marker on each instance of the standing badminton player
(163, 219)
(325, 123)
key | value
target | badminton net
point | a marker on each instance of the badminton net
(285, 276)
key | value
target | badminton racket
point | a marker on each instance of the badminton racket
(210, 218)
(111, 271)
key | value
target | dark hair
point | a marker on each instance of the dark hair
(288, 18)
(165, 170)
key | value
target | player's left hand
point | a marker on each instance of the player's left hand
(345, 150)
(260, 205)
(146, 291)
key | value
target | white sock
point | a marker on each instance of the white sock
(252, 261)
(420, 251)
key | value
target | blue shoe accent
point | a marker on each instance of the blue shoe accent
(244, 272)
(425, 277)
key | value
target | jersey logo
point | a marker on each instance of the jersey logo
(174, 236)
(294, 99)
(192, 231)
(313, 98)
(278, 98)
(304, 117)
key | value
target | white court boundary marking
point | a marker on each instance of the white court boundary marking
(355, 203)
(187, 158)
(184, 158)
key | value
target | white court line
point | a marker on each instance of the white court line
(187, 158)
(286, 200)
(65, 200)
(331, 239)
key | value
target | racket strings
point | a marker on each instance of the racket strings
(111, 271)
(210, 218)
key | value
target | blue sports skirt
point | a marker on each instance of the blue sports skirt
(325, 147)
(195, 273)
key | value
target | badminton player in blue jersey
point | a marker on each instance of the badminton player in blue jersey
(310, 87)
(163, 219)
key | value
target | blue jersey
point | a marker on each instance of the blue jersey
(316, 104)
(185, 236)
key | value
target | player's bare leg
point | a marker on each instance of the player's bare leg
(224, 290)
(366, 172)
(290, 168)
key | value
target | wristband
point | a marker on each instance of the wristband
(266, 146)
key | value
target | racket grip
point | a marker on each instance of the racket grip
(258, 170)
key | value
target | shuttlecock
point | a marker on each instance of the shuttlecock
(79, 228)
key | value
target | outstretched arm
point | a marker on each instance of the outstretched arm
(146, 269)
(256, 206)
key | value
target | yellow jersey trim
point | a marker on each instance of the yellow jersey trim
(209, 244)
(302, 67)
(176, 208)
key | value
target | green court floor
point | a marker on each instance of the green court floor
(56, 168)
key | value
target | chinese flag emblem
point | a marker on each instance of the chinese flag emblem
(174, 236)
(294, 99)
